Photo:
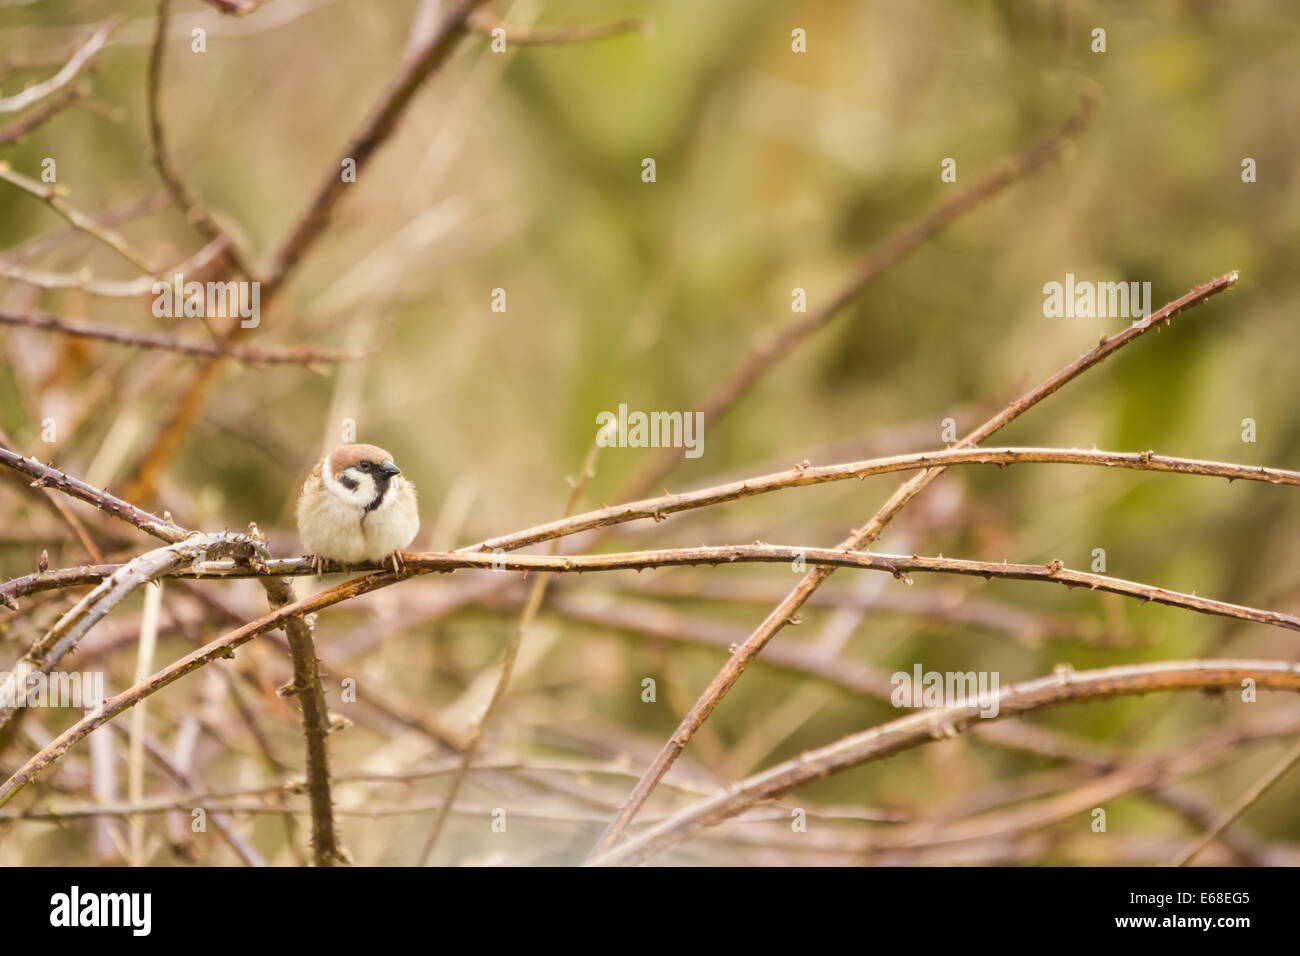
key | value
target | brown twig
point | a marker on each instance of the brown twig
(46, 476)
(374, 131)
(64, 636)
(113, 216)
(659, 508)
(1241, 805)
(185, 547)
(927, 726)
(25, 124)
(654, 508)
(59, 506)
(83, 55)
(896, 564)
(534, 601)
(243, 849)
(310, 692)
(52, 195)
(221, 647)
(863, 536)
(253, 355)
(948, 606)
(85, 281)
(1150, 776)
(184, 198)
(879, 259)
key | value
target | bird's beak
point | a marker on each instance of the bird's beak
(388, 468)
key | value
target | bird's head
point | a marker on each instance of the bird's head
(361, 475)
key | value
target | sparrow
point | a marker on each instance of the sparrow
(355, 506)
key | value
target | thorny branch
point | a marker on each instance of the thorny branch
(928, 726)
(193, 555)
(898, 565)
(863, 537)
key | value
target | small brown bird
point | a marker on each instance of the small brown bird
(355, 506)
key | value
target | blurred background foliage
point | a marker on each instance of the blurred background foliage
(775, 170)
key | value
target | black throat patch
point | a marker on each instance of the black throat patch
(381, 489)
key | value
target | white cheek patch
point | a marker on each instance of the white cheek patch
(351, 485)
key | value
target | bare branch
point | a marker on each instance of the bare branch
(24, 125)
(64, 636)
(310, 692)
(221, 647)
(113, 216)
(184, 198)
(374, 131)
(898, 565)
(659, 508)
(925, 727)
(84, 54)
(862, 537)
(376, 128)
(253, 355)
(45, 476)
(531, 605)
(111, 288)
(53, 195)
(1241, 805)
(879, 259)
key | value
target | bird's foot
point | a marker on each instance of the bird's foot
(398, 566)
